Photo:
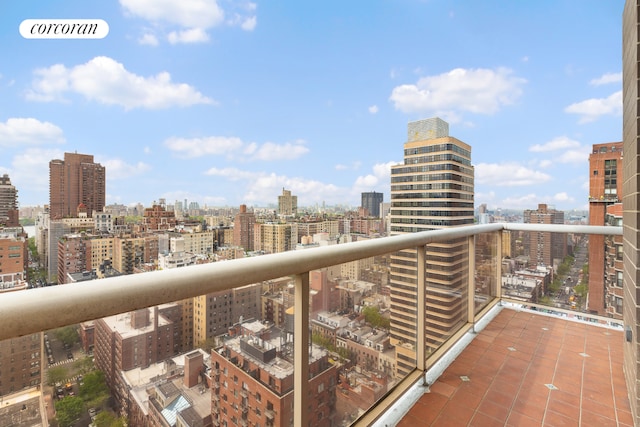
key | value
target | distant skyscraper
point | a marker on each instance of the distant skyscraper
(605, 190)
(243, 229)
(544, 247)
(287, 204)
(432, 189)
(75, 180)
(371, 201)
(8, 203)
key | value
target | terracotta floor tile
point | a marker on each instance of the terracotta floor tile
(559, 420)
(530, 410)
(593, 419)
(570, 411)
(510, 387)
(517, 419)
(482, 420)
(443, 388)
(494, 410)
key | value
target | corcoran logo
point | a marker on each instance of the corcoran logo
(64, 29)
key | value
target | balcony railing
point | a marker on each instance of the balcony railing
(41, 309)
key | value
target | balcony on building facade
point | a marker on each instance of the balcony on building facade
(42, 309)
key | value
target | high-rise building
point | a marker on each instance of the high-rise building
(630, 202)
(287, 204)
(605, 189)
(544, 247)
(73, 181)
(9, 216)
(432, 189)
(371, 202)
(243, 229)
(274, 238)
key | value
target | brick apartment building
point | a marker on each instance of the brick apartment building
(73, 181)
(605, 191)
(252, 380)
(135, 339)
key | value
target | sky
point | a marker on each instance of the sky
(226, 102)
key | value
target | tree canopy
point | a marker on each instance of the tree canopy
(67, 334)
(374, 318)
(94, 389)
(68, 410)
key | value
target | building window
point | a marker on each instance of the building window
(619, 279)
(619, 252)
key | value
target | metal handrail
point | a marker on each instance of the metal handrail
(34, 310)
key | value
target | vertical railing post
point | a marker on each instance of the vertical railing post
(499, 264)
(471, 289)
(421, 307)
(301, 346)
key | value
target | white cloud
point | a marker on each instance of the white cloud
(373, 109)
(562, 197)
(147, 150)
(148, 39)
(230, 146)
(270, 151)
(24, 164)
(249, 24)
(558, 143)
(528, 201)
(198, 147)
(20, 131)
(545, 163)
(232, 174)
(187, 21)
(50, 84)
(380, 178)
(353, 166)
(119, 169)
(508, 175)
(105, 80)
(607, 79)
(578, 156)
(594, 108)
(479, 91)
(264, 187)
(185, 13)
(192, 35)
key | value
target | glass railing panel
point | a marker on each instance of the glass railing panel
(362, 315)
(486, 269)
(447, 298)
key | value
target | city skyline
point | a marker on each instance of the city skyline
(227, 103)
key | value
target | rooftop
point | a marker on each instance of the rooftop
(527, 368)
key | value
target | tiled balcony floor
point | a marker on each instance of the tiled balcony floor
(527, 369)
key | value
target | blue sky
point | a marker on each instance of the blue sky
(225, 102)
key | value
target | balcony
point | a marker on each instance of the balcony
(496, 361)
